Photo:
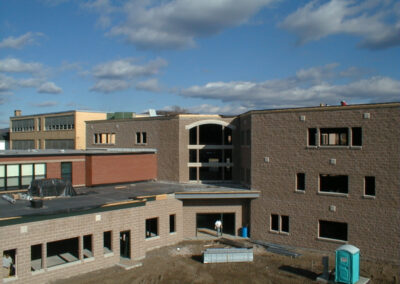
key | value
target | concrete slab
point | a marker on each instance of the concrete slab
(68, 257)
(128, 264)
(55, 260)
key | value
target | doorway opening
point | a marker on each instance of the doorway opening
(207, 221)
(125, 244)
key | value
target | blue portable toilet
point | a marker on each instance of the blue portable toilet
(347, 264)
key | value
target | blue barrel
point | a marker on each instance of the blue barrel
(244, 232)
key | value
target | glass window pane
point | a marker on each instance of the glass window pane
(12, 182)
(40, 169)
(27, 170)
(12, 170)
(2, 170)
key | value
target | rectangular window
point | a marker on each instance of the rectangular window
(279, 223)
(141, 137)
(87, 246)
(275, 222)
(285, 224)
(333, 230)
(192, 173)
(22, 125)
(13, 175)
(107, 242)
(2, 177)
(36, 257)
(172, 228)
(62, 252)
(138, 139)
(26, 175)
(369, 186)
(40, 171)
(356, 133)
(301, 181)
(333, 183)
(59, 122)
(333, 137)
(9, 263)
(192, 156)
(312, 137)
(151, 228)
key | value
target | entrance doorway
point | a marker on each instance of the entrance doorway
(207, 221)
(125, 244)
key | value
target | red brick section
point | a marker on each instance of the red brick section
(108, 169)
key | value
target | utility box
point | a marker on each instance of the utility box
(347, 264)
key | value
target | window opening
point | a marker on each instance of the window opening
(107, 242)
(274, 222)
(210, 134)
(125, 244)
(369, 184)
(312, 137)
(356, 136)
(151, 228)
(172, 228)
(333, 230)
(9, 263)
(87, 246)
(333, 183)
(36, 257)
(62, 252)
(333, 136)
(301, 181)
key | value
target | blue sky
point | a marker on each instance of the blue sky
(209, 56)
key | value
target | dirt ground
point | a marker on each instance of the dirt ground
(182, 263)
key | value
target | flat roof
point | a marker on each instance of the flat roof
(88, 198)
(65, 152)
(56, 113)
(325, 108)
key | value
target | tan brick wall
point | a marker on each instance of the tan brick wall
(167, 134)
(78, 134)
(161, 133)
(373, 224)
(132, 219)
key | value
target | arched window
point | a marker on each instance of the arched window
(210, 151)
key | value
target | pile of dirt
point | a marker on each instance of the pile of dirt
(182, 263)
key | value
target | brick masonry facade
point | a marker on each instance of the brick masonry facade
(281, 137)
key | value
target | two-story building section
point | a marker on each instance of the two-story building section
(58, 130)
(191, 147)
(327, 176)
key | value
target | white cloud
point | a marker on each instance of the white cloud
(49, 88)
(299, 90)
(120, 74)
(150, 85)
(6, 83)
(376, 22)
(14, 65)
(126, 68)
(109, 86)
(19, 42)
(173, 24)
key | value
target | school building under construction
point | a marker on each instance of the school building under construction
(313, 177)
